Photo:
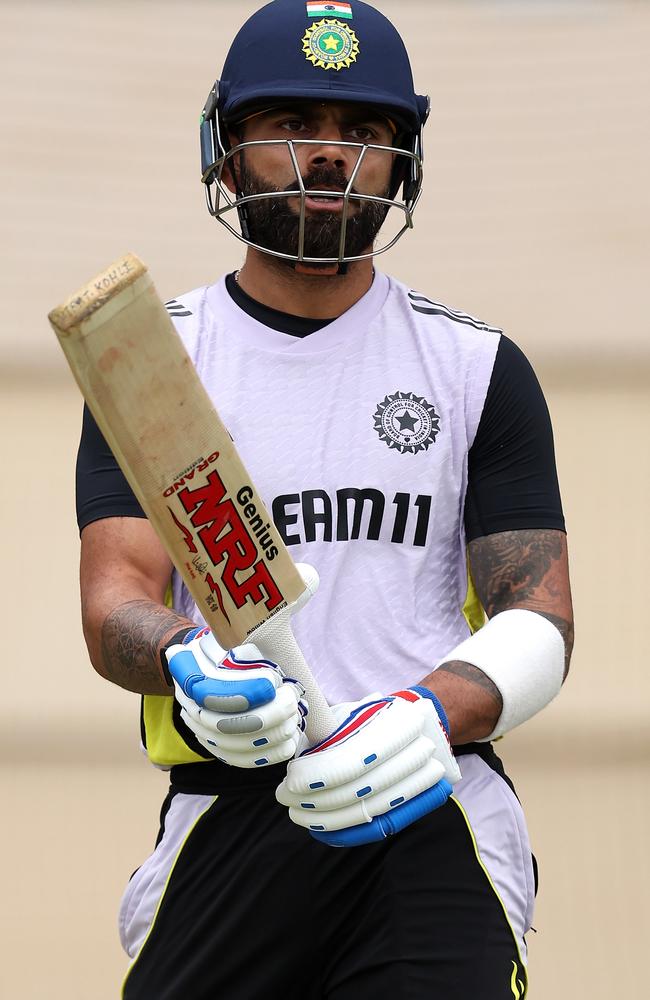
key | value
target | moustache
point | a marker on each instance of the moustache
(322, 180)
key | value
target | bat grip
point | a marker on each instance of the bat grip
(276, 641)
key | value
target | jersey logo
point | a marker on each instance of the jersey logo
(330, 44)
(407, 422)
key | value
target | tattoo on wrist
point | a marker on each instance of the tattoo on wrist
(475, 676)
(130, 643)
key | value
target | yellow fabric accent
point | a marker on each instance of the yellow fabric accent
(474, 611)
(516, 984)
(472, 608)
(165, 745)
(524, 986)
(162, 894)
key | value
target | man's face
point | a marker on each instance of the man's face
(325, 164)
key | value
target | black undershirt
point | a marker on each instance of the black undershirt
(512, 479)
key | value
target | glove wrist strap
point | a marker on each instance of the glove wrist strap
(180, 638)
(424, 691)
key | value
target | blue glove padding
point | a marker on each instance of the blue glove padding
(391, 822)
(220, 695)
(387, 764)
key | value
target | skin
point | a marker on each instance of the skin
(525, 569)
(124, 568)
(124, 576)
(310, 293)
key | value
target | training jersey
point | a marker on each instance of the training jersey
(357, 438)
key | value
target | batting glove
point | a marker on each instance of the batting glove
(240, 707)
(387, 764)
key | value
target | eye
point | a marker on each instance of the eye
(361, 133)
(293, 125)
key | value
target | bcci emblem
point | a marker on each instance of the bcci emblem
(330, 45)
(407, 422)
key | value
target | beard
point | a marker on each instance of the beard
(274, 225)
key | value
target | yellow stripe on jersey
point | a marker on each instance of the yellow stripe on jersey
(165, 745)
(472, 608)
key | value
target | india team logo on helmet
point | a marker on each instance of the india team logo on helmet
(329, 44)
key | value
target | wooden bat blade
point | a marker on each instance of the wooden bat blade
(157, 418)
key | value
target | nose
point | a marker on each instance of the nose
(329, 151)
(327, 154)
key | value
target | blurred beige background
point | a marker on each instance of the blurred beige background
(535, 217)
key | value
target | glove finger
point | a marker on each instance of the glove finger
(232, 664)
(434, 729)
(236, 695)
(242, 742)
(413, 809)
(264, 718)
(213, 652)
(376, 779)
(277, 720)
(205, 727)
(247, 656)
(188, 705)
(233, 695)
(389, 824)
(374, 805)
(242, 755)
(252, 758)
(368, 738)
(346, 708)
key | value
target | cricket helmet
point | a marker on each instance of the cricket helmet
(299, 51)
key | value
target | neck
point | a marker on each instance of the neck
(313, 295)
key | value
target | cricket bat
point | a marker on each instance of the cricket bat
(181, 463)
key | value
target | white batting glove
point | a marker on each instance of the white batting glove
(387, 764)
(240, 707)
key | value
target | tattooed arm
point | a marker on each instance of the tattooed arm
(511, 569)
(525, 569)
(124, 575)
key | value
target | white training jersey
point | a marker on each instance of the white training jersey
(357, 438)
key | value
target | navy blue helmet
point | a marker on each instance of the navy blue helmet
(302, 51)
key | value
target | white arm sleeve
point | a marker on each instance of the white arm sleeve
(523, 655)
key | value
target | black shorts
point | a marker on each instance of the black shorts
(238, 903)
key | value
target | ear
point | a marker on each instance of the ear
(228, 178)
(229, 173)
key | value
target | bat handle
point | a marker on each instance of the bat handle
(276, 641)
